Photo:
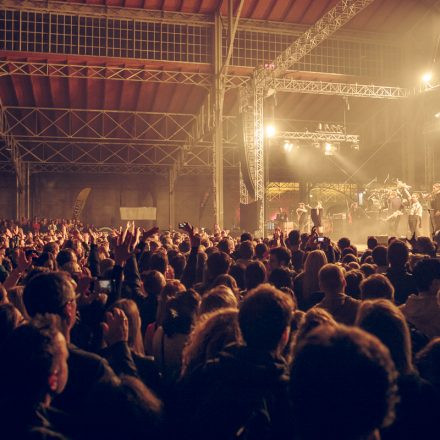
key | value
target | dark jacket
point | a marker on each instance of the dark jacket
(86, 369)
(221, 397)
(403, 284)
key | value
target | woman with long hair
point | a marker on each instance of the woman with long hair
(306, 284)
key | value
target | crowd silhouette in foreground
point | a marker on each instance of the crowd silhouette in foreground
(148, 334)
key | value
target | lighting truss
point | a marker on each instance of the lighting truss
(124, 73)
(339, 89)
(319, 136)
(31, 122)
(36, 167)
(327, 25)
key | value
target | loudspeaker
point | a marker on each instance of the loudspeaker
(244, 162)
(249, 216)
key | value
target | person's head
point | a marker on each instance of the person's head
(398, 254)
(342, 385)
(46, 259)
(312, 319)
(246, 236)
(225, 245)
(264, 318)
(66, 256)
(255, 274)
(414, 197)
(315, 260)
(353, 278)
(384, 320)
(178, 263)
(218, 263)
(294, 236)
(349, 258)
(425, 246)
(377, 286)
(34, 362)
(180, 313)
(220, 297)
(279, 257)
(211, 334)
(52, 292)
(331, 279)
(228, 281)
(280, 278)
(131, 310)
(159, 262)
(343, 243)
(246, 250)
(261, 250)
(122, 408)
(238, 271)
(10, 318)
(426, 275)
(184, 246)
(428, 362)
(171, 290)
(154, 282)
(379, 255)
(368, 269)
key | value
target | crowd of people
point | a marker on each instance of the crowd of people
(148, 334)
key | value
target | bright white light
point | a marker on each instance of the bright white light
(437, 115)
(288, 146)
(270, 131)
(427, 77)
(328, 147)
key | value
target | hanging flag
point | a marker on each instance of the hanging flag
(80, 202)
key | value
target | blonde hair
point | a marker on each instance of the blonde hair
(314, 261)
(131, 310)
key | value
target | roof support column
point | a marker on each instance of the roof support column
(219, 90)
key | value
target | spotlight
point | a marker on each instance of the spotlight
(437, 115)
(288, 146)
(328, 148)
(270, 131)
(427, 77)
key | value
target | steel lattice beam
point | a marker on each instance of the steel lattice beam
(318, 136)
(339, 89)
(326, 26)
(31, 122)
(124, 73)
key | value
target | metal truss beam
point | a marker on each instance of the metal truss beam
(339, 89)
(326, 26)
(96, 168)
(124, 73)
(112, 12)
(11, 145)
(31, 122)
(146, 74)
(318, 136)
(99, 153)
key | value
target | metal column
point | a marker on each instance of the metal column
(218, 123)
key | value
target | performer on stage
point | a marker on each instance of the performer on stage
(415, 215)
(395, 207)
(316, 215)
(435, 206)
(301, 215)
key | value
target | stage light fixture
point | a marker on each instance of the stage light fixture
(327, 148)
(270, 131)
(427, 77)
(288, 146)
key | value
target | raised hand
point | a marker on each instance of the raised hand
(115, 327)
(23, 263)
(150, 232)
(122, 248)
